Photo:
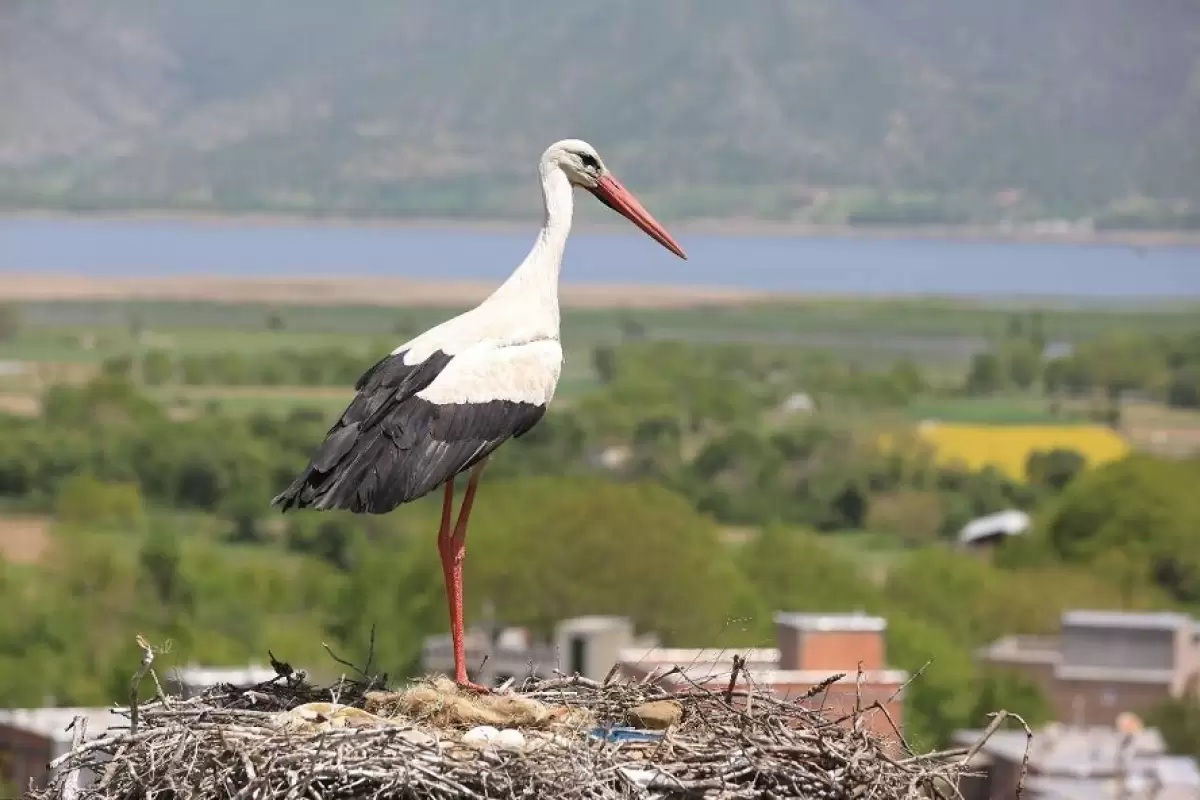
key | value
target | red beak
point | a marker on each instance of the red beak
(609, 191)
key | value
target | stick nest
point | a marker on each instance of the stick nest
(288, 739)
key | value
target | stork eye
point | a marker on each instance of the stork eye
(589, 161)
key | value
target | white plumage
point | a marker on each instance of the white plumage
(519, 373)
(440, 404)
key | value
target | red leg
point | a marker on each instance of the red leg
(453, 549)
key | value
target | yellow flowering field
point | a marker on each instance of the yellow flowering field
(1007, 447)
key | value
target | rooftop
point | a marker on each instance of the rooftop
(594, 623)
(1025, 649)
(53, 723)
(1149, 620)
(856, 621)
(687, 656)
(1007, 523)
(1069, 751)
(799, 677)
(210, 676)
(1075, 672)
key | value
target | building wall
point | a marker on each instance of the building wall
(1039, 673)
(1002, 780)
(23, 756)
(592, 647)
(1098, 702)
(1119, 648)
(840, 651)
(839, 700)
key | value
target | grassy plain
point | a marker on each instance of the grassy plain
(67, 338)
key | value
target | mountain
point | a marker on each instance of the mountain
(799, 109)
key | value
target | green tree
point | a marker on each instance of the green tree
(1184, 389)
(1054, 469)
(794, 570)
(1178, 720)
(986, 375)
(1003, 690)
(1142, 507)
(548, 548)
(11, 321)
(84, 500)
(1024, 363)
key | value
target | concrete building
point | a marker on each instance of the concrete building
(1079, 763)
(30, 738)
(988, 531)
(810, 648)
(586, 645)
(1105, 662)
(193, 680)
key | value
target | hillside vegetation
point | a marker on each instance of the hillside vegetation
(874, 111)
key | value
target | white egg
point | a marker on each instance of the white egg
(510, 739)
(481, 736)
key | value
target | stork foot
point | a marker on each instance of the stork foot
(471, 687)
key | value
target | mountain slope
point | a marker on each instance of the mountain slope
(710, 108)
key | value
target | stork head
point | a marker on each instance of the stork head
(584, 168)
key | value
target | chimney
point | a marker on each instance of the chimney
(831, 642)
(591, 645)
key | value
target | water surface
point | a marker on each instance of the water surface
(769, 263)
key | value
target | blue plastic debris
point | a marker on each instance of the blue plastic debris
(625, 734)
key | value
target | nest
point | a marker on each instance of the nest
(566, 737)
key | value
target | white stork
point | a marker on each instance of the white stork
(439, 404)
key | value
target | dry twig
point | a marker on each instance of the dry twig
(227, 743)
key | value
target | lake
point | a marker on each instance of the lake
(769, 263)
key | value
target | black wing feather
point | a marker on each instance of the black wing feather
(391, 447)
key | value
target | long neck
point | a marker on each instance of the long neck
(535, 283)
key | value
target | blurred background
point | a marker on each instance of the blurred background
(935, 356)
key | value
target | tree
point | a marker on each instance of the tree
(976, 602)
(1009, 691)
(604, 362)
(330, 537)
(161, 565)
(1054, 469)
(910, 515)
(1024, 363)
(939, 701)
(986, 374)
(632, 329)
(1178, 720)
(11, 321)
(795, 570)
(547, 548)
(1184, 389)
(1143, 507)
(84, 500)
(1037, 331)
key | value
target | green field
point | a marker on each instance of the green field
(1012, 409)
(933, 327)
(940, 335)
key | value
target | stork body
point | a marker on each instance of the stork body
(440, 404)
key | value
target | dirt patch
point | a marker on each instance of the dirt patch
(20, 403)
(348, 291)
(224, 392)
(23, 540)
(1171, 432)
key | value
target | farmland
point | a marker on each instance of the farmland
(727, 452)
(71, 339)
(1008, 447)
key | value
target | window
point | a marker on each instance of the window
(578, 654)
